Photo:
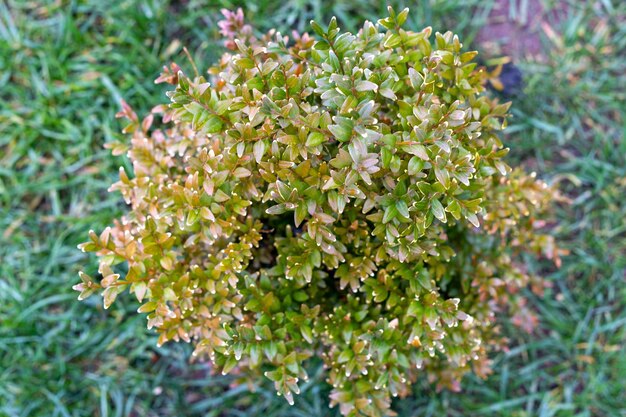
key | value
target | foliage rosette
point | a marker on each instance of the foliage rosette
(342, 196)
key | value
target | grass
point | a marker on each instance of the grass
(64, 65)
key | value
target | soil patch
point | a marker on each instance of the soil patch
(514, 28)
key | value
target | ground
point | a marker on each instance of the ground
(64, 66)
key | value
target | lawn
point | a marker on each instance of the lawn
(65, 65)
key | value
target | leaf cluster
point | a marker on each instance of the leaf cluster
(338, 195)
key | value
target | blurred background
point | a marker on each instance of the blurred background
(65, 65)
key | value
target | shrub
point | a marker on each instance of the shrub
(343, 196)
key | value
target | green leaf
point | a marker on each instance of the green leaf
(473, 219)
(443, 176)
(230, 363)
(241, 172)
(417, 79)
(277, 209)
(300, 213)
(437, 209)
(417, 150)
(300, 296)
(454, 208)
(258, 150)
(365, 85)
(390, 213)
(270, 349)
(245, 63)
(342, 130)
(147, 307)
(317, 28)
(415, 165)
(307, 333)
(402, 208)
(345, 356)
(213, 124)
(388, 93)
(402, 16)
(315, 138)
(387, 23)
(424, 279)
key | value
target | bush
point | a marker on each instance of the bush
(344, 197)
